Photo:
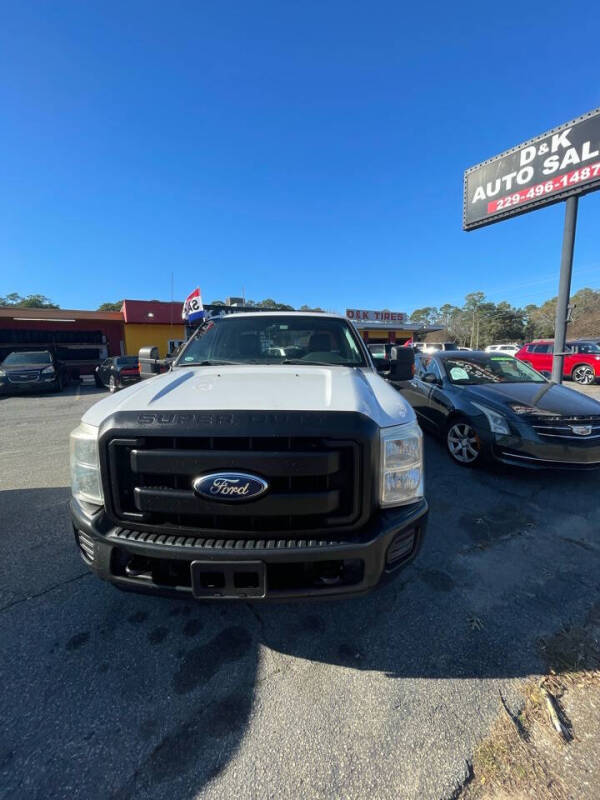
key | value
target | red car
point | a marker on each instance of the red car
(582, 364)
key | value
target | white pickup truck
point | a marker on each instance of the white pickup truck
(269, 461)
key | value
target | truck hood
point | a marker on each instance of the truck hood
(261, 388)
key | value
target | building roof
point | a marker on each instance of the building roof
(57, 314)
(152, 311)
(388, 325)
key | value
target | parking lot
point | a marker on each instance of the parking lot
(107, 694)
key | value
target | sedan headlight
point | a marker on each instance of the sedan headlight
(85, 465)
(498, 423)
(2, 373)
(48, 370)
(401, 465)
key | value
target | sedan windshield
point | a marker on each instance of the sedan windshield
(274, 340)
(28, 359)
(493, 369)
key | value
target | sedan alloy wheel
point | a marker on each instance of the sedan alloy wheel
(463, 443)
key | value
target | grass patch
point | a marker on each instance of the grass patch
(509, 763)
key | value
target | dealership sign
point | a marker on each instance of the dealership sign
(561, 163)
(360, 315)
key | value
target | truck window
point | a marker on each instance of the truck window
(275, 340)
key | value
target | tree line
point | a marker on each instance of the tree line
(41, 301)
(270, 304)
(30, 301)
(479, 322)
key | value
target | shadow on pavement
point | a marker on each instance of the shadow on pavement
(72, 390)
(120, 695)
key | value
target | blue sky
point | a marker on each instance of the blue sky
(308, 151)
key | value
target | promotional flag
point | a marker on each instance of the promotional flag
(193, 310)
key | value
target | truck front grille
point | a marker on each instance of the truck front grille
(314, 483)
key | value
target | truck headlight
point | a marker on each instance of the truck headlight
(401, 465)
(85, 465)
(498, 423)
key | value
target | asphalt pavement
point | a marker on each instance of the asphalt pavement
(113, 695)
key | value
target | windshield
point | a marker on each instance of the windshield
(28, 359)
(274, 340)
(127, 361)
(494, 369)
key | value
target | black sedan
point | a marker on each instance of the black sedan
(493, 406)
(117, 372)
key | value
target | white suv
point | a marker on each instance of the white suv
(510, 349)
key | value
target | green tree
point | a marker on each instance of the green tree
(501, 323)
(428, 315)
(111, 306)
(585, 313)
(31, 301)
(273, 305)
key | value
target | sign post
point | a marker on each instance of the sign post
(561, 164)
(564, 288)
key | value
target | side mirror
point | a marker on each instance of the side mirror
(382, 364)
(431, 377)
(402, 363)
(149, 361)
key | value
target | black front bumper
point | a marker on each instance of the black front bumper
(529, 450)
(159, 563)
(28, 387)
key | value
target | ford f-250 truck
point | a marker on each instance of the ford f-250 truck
(270, 461)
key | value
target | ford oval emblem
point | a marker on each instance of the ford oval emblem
(229, 487)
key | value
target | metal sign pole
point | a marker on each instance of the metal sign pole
(564, 288)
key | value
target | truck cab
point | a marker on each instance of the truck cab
(271, 461)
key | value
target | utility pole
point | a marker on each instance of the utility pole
(564, 288)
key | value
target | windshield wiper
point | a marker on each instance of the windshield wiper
(208, 363)
(310, 363)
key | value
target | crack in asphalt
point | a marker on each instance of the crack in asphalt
(46, 591)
